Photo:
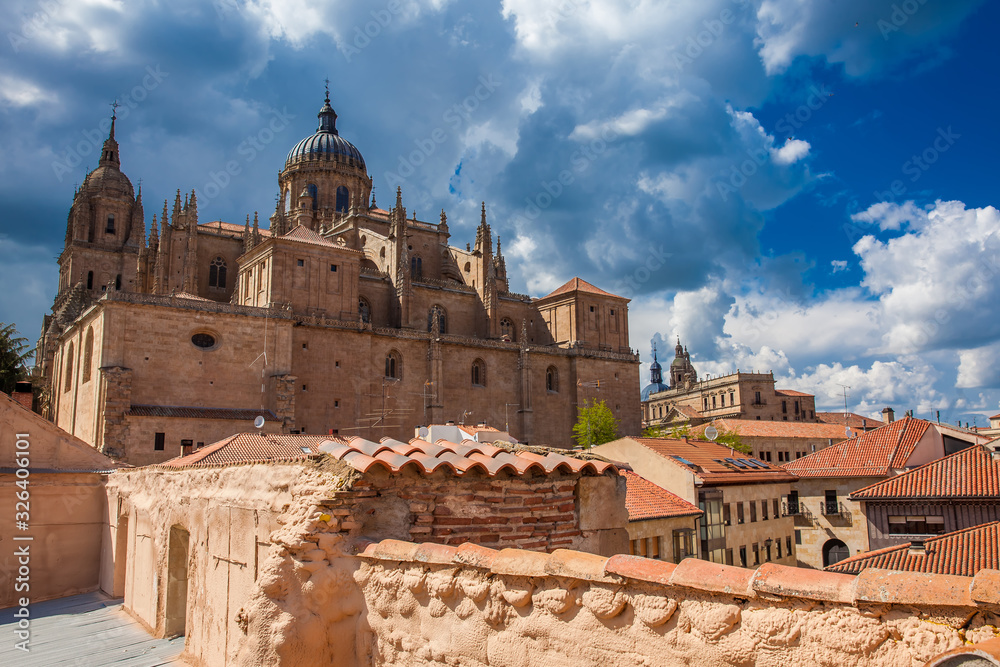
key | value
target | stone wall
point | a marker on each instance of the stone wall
(431, 604)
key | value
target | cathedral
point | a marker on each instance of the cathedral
(339, 317)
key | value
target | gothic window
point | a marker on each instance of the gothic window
(393, 365)
(479, 373)
(343, 199)
(88, 354)
(118, 282)
(90, 280)
(68, 382)
(468, 267)
(441, 314)
(110, 229)
(551, 379)
(288, 200)
(416, 267)
(364, 310)
(507, 328)
(217, 273)
(314, 193)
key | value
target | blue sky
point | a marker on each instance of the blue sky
(728, 165)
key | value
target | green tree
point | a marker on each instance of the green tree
(595, 425)
(14, 355)
(732, 440)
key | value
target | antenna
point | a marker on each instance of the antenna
(847, 426)
(506, 419)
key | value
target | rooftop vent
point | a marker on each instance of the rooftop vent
(917, 546)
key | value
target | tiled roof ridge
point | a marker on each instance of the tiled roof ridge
(646, 500)
(903, 477)
(708, 476)
(871, 586)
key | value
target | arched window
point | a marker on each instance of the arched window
(90, 280)
(507, 329)
(442, 315)
(343, 199)
(416, 267)
(68, 382)
(364, 310)
(834, 551)
(217, 273)
(88, 354)
(552, 379)
(468, 267)
(288, 200)
(479, 373)
(393, 365)
(314, 193)
(110, 228)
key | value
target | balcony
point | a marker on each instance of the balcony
(791, 509)
(835, 510)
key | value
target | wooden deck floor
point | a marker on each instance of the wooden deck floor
(83, 631)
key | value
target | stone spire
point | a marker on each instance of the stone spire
(154, 234)
(109, 154)
(655, 370)
(137, 225)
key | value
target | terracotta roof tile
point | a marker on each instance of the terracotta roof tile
(872, 454)
(963, 552)
(792, 392)
(200, 413)
(252, 448)
(775, 429)
(306, 235)
(854, 421)
(645, 500)
(578, 285)
(708, 462)
(462, 458)
(970, 473)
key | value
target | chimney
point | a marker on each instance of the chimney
(917, 547)
(888, 416)
(22, 394)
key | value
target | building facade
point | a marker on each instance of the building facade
(342, 317)
(740, 497)
(741, 395)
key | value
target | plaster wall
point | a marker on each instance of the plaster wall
(815, 528)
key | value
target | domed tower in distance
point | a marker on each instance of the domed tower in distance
(105, 229)
(324, 175)
(655, 378)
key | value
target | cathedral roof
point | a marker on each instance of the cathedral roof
(326, 143)
(578, 285)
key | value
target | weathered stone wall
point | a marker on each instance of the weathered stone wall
(432, 604)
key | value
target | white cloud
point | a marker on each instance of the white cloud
(838, 265)
(979, 367)
(793, 151)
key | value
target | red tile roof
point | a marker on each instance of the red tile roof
(970, 473)
(232, 227)
(252, 448)
(775, 429)
(792, 392)
(702, 458)
(963, 552)
(646, 500)
(200, 413)
(872, 454)
(578, 285)
(306, 235)
(459, 458)
(855, 421)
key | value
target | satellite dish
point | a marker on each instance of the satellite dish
(847, 432)
(258, 421)
(711, 433)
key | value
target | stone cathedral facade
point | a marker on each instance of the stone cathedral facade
(340, 317)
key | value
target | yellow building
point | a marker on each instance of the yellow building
(343, 317)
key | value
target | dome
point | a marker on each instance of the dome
(109, 179)
(652, 388)
(326, 144)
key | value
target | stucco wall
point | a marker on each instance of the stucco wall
(815, 528)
